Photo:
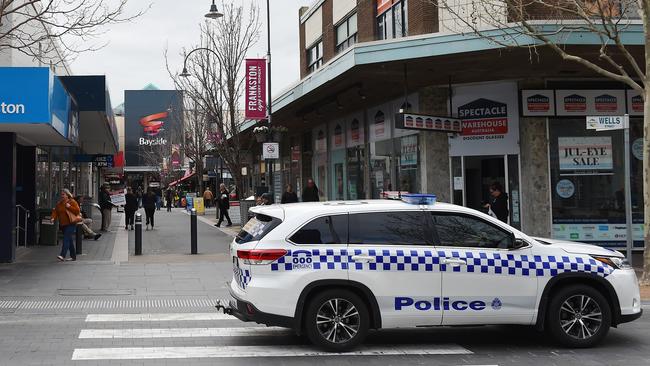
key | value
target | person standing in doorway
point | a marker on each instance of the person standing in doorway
(106, 207)
(224, 205)
(498, 203)
(130, 208)
(67, 211)
(289, 196)
(207, 197)
(310, 193)
(149, 204)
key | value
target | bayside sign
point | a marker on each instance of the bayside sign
(255, 103)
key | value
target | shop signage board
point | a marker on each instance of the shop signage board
(412, 121)
(24, 95)
(118, 198)
(320, 139)
(585, 155)
(99, 160)
(255, 96)
(270, 150)
(356, 133)
(590, 102)
(489, 115)
(634, 103)
(198, 205)
(409, 151)
(338, 135)
(606, 123)
(379, 122)
(538, 102)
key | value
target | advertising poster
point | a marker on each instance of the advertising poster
(255, 95)
(338, 135)
(409, 151)
(538, 102)
(585, 154)
(489, 115)
(379, 123)
(118, 198)
(355, 131)
(634, 103)
(320, 140)
(199, 206)
(590, 102)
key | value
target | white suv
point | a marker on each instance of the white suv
(334, 270)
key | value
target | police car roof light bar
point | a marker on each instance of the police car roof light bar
(419, 198)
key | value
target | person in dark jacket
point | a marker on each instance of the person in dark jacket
(130, 207)
(289, 196)
(310, 193)
(170, 199)
(224, 205)
(149, 204)
(498, 203)
(106, 207)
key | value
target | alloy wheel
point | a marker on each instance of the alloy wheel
(580, 316)
(338, 320)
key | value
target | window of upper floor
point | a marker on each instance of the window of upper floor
(315, 56)
(346, 33)
(392, 22)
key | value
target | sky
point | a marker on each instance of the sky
(134, 55)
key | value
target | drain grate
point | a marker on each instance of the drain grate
(107, 304)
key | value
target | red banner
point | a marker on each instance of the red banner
(255, 88)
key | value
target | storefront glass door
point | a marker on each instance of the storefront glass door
(472, 177)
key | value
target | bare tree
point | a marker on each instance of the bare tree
(38, 28)
(216, 84)
(198, 137)
(534, 24)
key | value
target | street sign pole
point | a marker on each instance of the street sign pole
(628, 189)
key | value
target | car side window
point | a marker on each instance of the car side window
(390, 228)
(469, 232)
(323, 230)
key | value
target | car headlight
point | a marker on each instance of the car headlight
(616, 262)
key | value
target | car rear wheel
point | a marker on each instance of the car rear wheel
(579, 316)
(336, 320)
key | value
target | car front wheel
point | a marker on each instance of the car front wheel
(579, 316)
(336, 320)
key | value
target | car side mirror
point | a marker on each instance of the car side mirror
(518, 244)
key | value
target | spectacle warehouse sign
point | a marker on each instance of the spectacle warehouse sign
(411, 121)
(255, 89)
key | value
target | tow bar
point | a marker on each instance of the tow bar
(224, 306)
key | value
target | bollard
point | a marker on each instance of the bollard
(138, 234)
(193, 231)
(79, 236)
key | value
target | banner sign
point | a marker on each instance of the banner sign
(634, 103)
(356, 134)
(601, 123)
(338, 136)
(118, 198)
(585, 153)
(590, 102)
(255, 103)
(538, 103)
(411, 121)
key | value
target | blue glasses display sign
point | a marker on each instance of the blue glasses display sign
(24, 95)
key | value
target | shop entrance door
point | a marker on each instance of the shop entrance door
(473, 175)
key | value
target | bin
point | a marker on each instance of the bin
(244, 207)
(47, 231)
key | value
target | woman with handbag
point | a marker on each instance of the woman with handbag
(69, 214)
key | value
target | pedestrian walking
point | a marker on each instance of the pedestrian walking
(158, 198)
(149, 204)
(139, 194)
(68, 213)
(224, 205)
(130, 208)
(106, 206)
(498, 202)
(207, 197)
(289, 196)
(310, 193)
(170, 199)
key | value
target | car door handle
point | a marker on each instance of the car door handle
(364, 258)
(454, 261)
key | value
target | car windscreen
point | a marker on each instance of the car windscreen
(256, 228)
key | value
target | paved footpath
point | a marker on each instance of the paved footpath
(157, 309)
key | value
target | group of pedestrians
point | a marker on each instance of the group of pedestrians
(150, 201)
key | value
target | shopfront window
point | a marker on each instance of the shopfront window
(42, 178)
(356, 158)
(587, 182)
(393, 23)
(381, 153)
(409, 174)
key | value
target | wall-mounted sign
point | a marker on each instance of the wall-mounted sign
(320, 138)
(590, 102)
(602, 123)
(637, 148)
(489, 115)
(409, 150)
(338, 138)
(356, 133)
(634, 103)
(255, 98)
(582, 154)
(270, 150)
(537, 102)
(411, 121)
(105, 161)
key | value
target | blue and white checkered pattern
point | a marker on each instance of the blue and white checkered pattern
(430, 261)
(242, 276)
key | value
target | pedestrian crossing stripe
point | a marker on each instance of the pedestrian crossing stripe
(157, 317)
(182, 332)
(142, 353)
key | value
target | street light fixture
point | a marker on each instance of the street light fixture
(213, 13)
(186, 73)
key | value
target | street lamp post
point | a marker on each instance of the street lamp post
(268, 91)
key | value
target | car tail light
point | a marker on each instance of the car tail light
(260, 256)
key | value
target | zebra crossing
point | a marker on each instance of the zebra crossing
(215, 328)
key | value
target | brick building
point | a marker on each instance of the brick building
(522, 114)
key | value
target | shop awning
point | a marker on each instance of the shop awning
(185, 177)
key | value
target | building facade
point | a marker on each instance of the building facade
(367, 65)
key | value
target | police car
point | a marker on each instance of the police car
(335, 270)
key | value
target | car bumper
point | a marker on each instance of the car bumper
(247, 312)
(630, 317)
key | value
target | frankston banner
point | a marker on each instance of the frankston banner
(255, 106)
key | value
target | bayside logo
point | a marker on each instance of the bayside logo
(8, 108)
(152, 126)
